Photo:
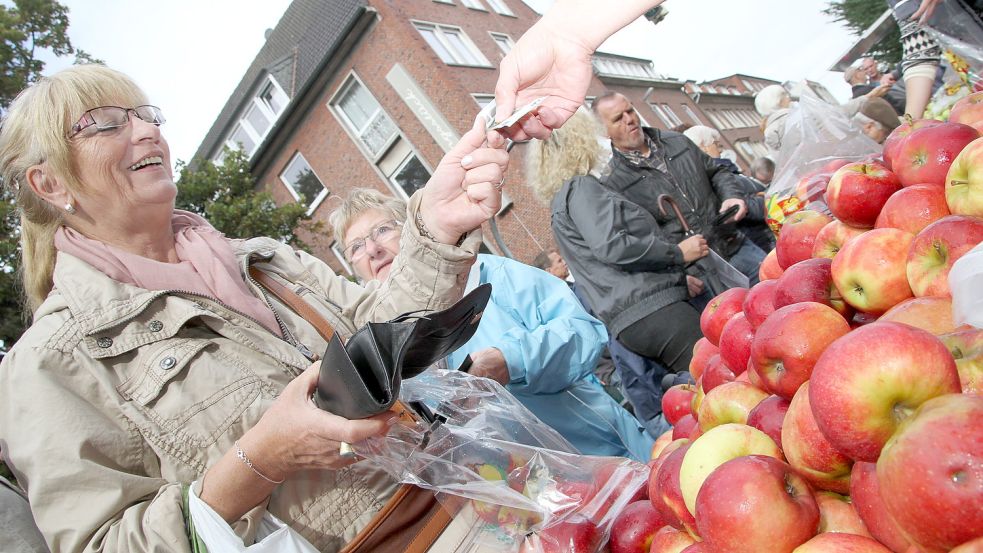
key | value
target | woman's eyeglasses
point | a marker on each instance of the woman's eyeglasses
(112, 117)
(383, 232)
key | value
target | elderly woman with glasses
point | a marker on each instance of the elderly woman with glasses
(534, 338)
(155, 361)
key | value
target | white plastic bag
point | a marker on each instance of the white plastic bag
(273, 536)
(966, 284)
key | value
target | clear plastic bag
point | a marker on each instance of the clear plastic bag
(966, 284)
(819, 138)
(488, 456)
(960, 34)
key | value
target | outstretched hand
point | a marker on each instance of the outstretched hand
(465, 190)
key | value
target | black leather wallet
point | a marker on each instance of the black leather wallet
(362, 377)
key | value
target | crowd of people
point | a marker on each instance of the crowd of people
(156, 366)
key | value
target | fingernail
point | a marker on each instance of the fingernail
(466, 160)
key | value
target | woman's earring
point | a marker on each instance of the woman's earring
(69, 208)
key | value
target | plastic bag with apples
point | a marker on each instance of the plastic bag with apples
(491, 460)
(819, 139)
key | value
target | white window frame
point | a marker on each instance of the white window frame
(440, 31)
(340, 254)
(451, 2)
(474, 5)
(267, 111)
(691, 113)
(293, 192)
(500, 7)
(663, 116)
(402, 165)
(349, 125)
(482, 99)
(672, 115)
(500, 38)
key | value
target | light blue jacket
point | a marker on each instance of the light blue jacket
(551, 346)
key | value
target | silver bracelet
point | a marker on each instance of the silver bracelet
(425, 232)
(242, 457)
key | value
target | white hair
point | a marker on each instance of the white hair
(770, 99)
(702, 136)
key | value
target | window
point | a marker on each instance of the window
(503, 41)
(339, 254)
(451, 44)
(411, 175)
(500, 7)
(474, 5)
(451, 2)
(630, 68)
(258, 117)
(302, 183)
(692, 115)
(364, 116)
(665, 113)
(672, 115)
(747, 84)
(483, 99)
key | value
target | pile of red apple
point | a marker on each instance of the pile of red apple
(838, 407)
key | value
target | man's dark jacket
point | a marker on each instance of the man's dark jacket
(620, 248)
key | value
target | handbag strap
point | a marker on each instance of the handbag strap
(293, 300)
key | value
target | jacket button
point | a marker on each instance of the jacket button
(104, 342)
(156, 326)
(168, 363)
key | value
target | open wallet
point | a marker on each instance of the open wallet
(362, 377)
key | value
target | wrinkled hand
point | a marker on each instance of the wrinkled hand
(925, 11)
(544, 62)
(694, 248)
(295, 435)
(741, 208)
(490, 363)
(694, 285)
(463, 192)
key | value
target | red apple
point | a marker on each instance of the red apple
(931, 472)
(753, 504)
(661, 442)
(676, 402)
(966, 347)
(866, 498)
(832, 237)
(798, 236)
(870, 380)
(858, 191)
(808, 450)
(769, 416)
(759, 302)
(717, 373)
(728, 403)
(715, 447)
(697, 547)
(833, 542)
(913, 208)
(811, 280)
(968, 111)
(684, 427)
(735, 343)
(870, 270)
(964, 182)
(975, 546)
(931, 314)
(577, 535)
(770, 268)
(671, 540)
(667, 496)
(790, 342)
(634, 528)
(894, 140)
(811, 187)
(936, 248)
(703, 350)
(719, 311)
(925, 156)
(836, 514)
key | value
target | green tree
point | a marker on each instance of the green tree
(27, 29)
(226, 195)
(858, 15)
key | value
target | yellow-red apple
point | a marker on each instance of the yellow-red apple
(832, 237)
(770, 269)
(703, 350)
(667, 496)
(759, 302)
(964, 182)
(634, 528)
(932, 314)
(968, 111)
(769, 416)
(870, 270)
(897, 137)
(717, 373)
(857, 192)
(936, 248)
(837, 515)
(865, 495)
(927, 153)
(735, 343)
(798, 236)
(671, 540)
(677, 401)
(811, 280)
(728, 403)
(966, 347)
(913, 208)
(808, 450)
(833, 542)
(719, 311)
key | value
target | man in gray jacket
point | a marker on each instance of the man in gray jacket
(629, 258)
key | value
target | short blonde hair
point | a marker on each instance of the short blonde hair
(35, 131)
(769, 99)
(359, 201)
(570, 151)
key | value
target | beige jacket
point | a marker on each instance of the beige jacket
(117, 396)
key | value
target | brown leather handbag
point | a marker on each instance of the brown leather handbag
(412, 519)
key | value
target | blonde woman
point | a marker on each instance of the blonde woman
(154, 361)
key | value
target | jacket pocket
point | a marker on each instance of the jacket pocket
(188, 393)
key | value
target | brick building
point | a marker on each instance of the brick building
(353, 93)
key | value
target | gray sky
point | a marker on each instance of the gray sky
(190, 55)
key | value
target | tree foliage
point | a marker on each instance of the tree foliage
(858, 15)
(226, 195)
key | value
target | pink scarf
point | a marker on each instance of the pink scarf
(207, 265)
